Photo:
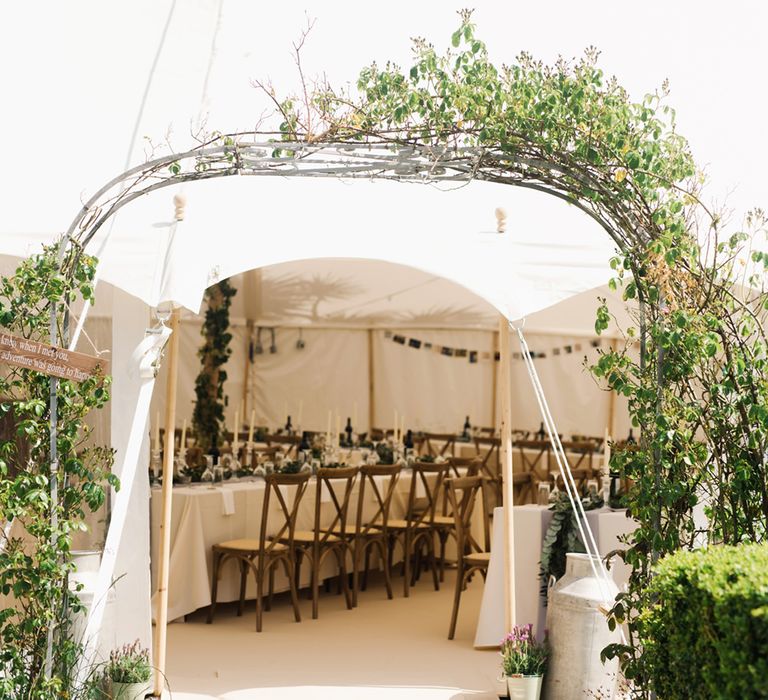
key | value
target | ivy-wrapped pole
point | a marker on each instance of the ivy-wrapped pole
(506, 474)
(165, 523)
(53, 479)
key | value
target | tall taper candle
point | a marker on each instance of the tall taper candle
(156, 446)
(183, 435)
(402, 427)
(235, 433)
(338, 429)
(328, 431)
(394, 432)
(250, 427)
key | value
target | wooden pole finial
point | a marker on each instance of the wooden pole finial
(501, 220)
(179, 203)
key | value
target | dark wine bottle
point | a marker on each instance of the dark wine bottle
(288, 426)
(408, 440)
(541, 434)
(467, 429)
(631, 438)
(348, 430)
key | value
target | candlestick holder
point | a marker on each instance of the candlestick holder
(181, 461)
(155, 463)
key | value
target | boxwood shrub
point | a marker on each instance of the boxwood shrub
(707, 634)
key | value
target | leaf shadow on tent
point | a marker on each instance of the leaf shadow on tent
(298, 298)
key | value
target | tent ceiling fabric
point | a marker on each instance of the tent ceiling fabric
(236, 224)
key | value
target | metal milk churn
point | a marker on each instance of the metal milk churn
(578, 632)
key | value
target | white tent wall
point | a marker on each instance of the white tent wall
(577, 403)
(434, 392)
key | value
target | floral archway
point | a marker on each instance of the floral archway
(697, 390)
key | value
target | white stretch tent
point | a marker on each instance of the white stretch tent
(102, 91)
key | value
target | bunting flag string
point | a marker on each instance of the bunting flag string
(475, 356)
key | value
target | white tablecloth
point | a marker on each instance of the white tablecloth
(531, 522)
(203, 516)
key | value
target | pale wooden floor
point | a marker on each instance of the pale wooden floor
(383, 649)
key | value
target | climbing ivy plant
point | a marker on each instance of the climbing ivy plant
(208, 415)
(694, 364)
(36, 600)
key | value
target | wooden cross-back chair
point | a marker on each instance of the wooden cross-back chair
(263, 452)
(262, 555)
(579, 456)
(439, 444)
(372, 534)
(416, 532)
(472, 555)
(292, 441)
(534, 457)
(488, 452)
(336, 538)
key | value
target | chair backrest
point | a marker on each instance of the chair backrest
(338, 484)
(534, 457)
(488, 454)
(439, 444)
(288, 511)
(291, 440)
(462, 497)
(382, 492)
(427, 477)
(578, 455)
(471, 464)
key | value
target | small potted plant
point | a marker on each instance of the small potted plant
(524, 662)
(129, 672)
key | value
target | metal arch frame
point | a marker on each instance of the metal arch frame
(397, 160)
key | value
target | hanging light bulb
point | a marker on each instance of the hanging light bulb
(258, 348)
(300, 344)
(273, 345)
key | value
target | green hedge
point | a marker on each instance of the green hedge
(707, 636)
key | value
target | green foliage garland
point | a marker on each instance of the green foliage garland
(35, 560)
(562, 536)
(208, 415)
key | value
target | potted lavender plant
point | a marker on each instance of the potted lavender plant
(524, 662)
(129, 672)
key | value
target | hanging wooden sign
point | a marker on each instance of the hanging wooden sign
(49, 359)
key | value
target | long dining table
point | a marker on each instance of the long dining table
(206, 514)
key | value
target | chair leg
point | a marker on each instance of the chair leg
(341, 555)
(259, 572)
(406, 564)
(271, 590)
(385, 564)
(297, 569)
(294, 592)
(433, 562)
(355, 571)
(456, 599)
(315, 588)
(243, 582)
(214, 585)
(443, 535)
(367, 567)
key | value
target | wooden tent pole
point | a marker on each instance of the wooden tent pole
(494, 379)
(506, 472)
(165, 524)
(371, 393)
